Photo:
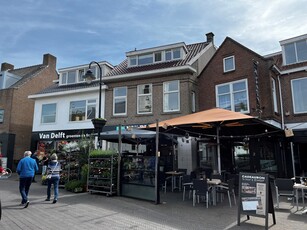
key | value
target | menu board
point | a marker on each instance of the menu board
(255, 196)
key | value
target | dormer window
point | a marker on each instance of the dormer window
(75, 75)
(294, 50)
(155, 55)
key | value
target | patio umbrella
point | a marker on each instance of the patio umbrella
(220, 123)
(135, 136)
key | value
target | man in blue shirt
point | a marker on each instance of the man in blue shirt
(26, 170)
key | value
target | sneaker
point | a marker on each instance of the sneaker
(47, 199)
(54, 201)
(27, 204)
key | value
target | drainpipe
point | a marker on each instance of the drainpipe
(281, 104)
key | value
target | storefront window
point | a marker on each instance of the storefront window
(267, 158)
(242, 157)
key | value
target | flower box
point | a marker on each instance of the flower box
(99, 123)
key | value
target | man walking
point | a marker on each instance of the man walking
(26, 170)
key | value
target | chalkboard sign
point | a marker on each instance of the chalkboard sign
(255, 196)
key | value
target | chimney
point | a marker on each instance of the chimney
(210, 37)
(49, 60)
(6, 66)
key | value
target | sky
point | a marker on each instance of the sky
(77, 32)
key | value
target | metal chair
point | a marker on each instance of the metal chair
(284, 187)
(187, 185)
(227, 188)
(201, 189)
(163, 180)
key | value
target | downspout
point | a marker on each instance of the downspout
(281, 104)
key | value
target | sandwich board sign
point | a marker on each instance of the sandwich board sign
(255, 196)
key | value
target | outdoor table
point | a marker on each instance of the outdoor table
(174, 175)
(214, 184)
(301, 187)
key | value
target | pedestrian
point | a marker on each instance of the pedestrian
(26, 169)
(34, 156)
(53, 172)
(45, 162)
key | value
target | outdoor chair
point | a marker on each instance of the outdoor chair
(201, 189)
(284, 187)
(180, 178)
(164, 180)
(187, 186)
(227, 188)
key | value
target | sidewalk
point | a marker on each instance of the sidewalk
(96, 211)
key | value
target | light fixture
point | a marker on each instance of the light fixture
(89, 77)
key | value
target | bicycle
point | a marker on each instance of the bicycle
(5, 174)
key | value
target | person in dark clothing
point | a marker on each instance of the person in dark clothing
(26, 169)
(34, 156)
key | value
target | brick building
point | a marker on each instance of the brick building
(16, 110)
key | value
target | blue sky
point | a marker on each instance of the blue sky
(79, 31)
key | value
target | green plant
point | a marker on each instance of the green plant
(84, 171)
(75, 186)
(101, 153)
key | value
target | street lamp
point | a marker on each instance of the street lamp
(89, 77)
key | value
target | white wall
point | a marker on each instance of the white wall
(62, 111)
(187, 154)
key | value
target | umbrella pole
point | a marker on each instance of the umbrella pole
(157, 165)
(119, 157)
(218, 149)
(292, 155)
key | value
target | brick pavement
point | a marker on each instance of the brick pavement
(96, 211)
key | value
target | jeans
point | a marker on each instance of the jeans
(55, 182)
(24, 187)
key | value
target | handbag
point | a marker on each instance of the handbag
(48, 177)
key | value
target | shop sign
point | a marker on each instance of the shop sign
(60, 135)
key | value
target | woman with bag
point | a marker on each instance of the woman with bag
(53, 177)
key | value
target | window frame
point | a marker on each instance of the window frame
(231, 94)
(167, 93)
(147, 95)
(88, 103)
(48, 115)
(1, 115)
(124, 98)
(293, 91)
(292, 55)
(233, 64)
(274, 95)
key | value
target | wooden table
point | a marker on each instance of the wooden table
(301, 187)
(174, 175)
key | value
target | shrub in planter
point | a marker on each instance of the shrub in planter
(75, 186)
(97, 153)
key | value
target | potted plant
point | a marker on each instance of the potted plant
(99, 123)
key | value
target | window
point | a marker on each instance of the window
(82, 110)
(158, 56)
(120, 101)
(48, 113)
(176, 53)
(132, 61)
(229, 64)
(145, 59)
(1, 115)
(193, 102)
(71, 77)
(81, 73)
(274, 94)
(295, 52)
(171, 96)
(144, 98)
(233, 96)
(299, 93)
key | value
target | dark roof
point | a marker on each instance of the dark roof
(278, 62)
(56, 88)
(192, 51)
(26, 73)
